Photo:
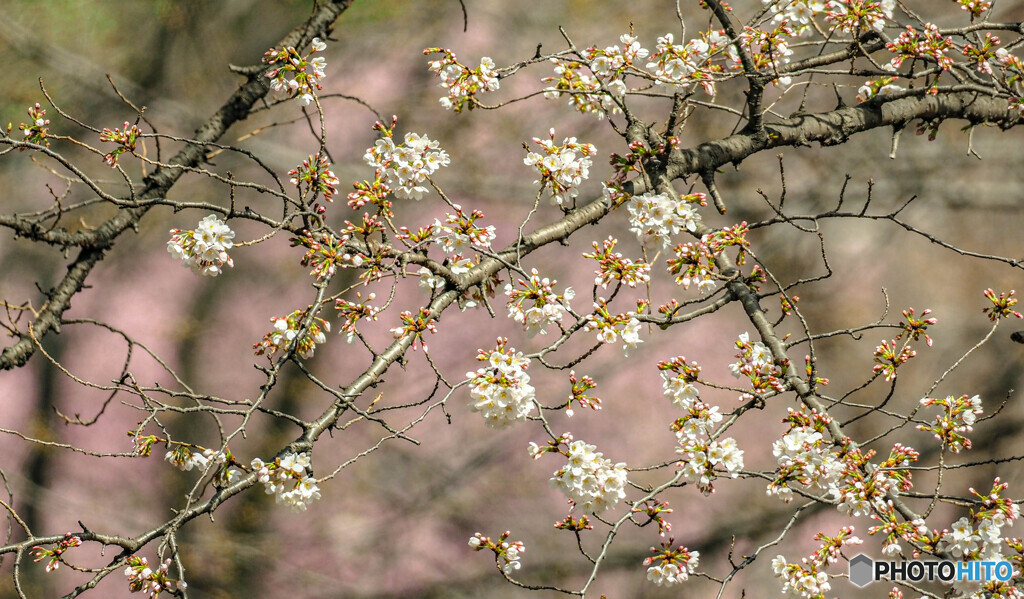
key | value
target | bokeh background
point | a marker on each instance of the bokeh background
(396, 522)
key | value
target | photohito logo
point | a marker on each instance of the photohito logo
(864, 570)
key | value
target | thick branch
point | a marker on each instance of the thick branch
(837, 126)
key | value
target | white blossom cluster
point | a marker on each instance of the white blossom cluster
(891, 545)
(755, 358)
(986, 540)
(681, 391)
(430, 281)
(806, 450)
(857, 500)
(287, 479)
(701, 457)
(610, 328)
(406, 166)
(185, 459)
(570, 76)
(142, 578)
(591, 481)
(867, 91)
(800, 582)
(957, 418)
(668, 574)
(980, 537)
(808, 578)
(547, 306)
(700, 420)
(608, 64)
(673, 63)
(694, 264)
(655, 218)
(510, 553)
(963, 540)
(284, 334)
(38, 122)
(453, 241)
(562, 167)
(694, 430)
(596, 91)
(798, 13)
(838, 11)
(1003, 57)
(286, 329)
(205, 248)
(352, 312)
(773, 47)
(461, 82)
(501, 391)
(459, 233)
(680, 64)
(302, 80)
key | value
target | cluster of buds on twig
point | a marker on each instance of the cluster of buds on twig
(315, 175)
(35, 131)
(126, 138)
(1002, 306)
(55, 552)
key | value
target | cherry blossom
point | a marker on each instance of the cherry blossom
(506, 553)
(691, 62)
(501, 390)
(404, 167)
(656, 217)
(958, 417)
(142, 578)
(462, 82)
(184, 459)
(611, 327)
(297, 75)
(204, 249)
(536, 305)
(673, 565)
(561, 170)
(286, 331)
(288, 479)
(590, 480)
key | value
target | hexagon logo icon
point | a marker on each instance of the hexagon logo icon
(861, 568)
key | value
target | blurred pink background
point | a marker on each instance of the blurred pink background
(396, 522)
